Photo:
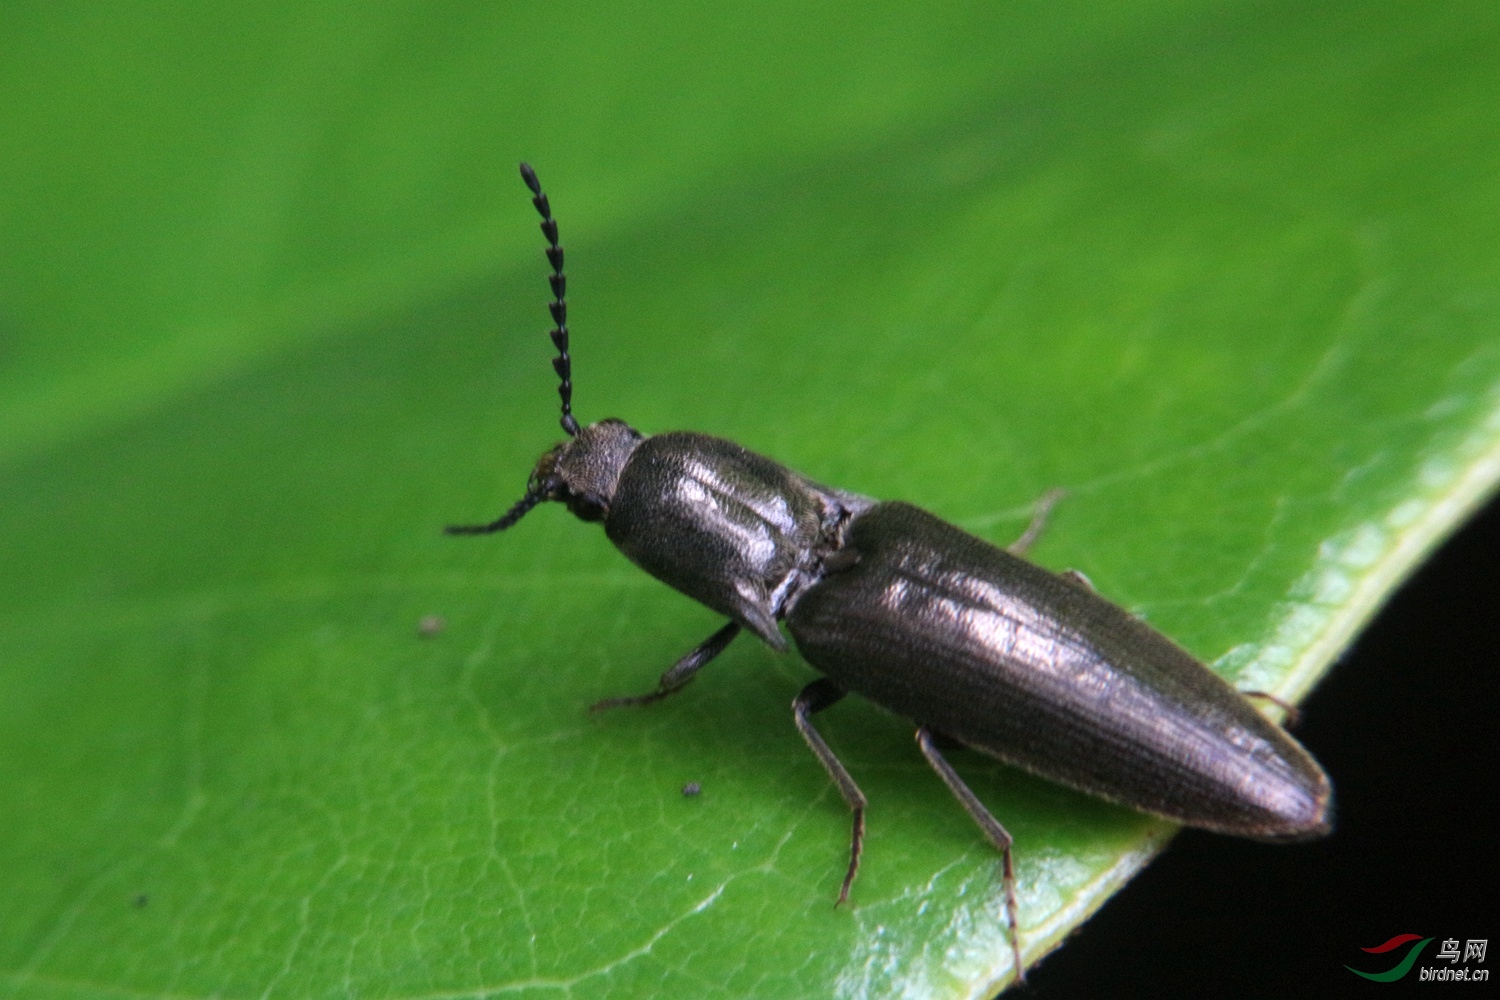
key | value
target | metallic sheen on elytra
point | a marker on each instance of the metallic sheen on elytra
(1007, 658)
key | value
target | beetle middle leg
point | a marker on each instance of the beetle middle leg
(993, 832)
(681, 672)
(818, 695)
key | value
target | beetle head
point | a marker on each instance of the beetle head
(583, 472)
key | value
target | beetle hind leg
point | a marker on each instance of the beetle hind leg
(996, 834)
(681, 672)
(1077, 579)
(1039, 515)
(818, 695)
(1291, 715)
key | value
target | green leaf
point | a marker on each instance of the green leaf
(271, 314)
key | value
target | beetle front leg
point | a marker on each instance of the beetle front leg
(818, 695)
(683, 671)
(993, 832)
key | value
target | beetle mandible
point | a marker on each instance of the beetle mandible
(975, 645)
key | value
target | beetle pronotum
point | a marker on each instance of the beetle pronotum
(975, 645)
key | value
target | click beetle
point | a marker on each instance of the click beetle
(977, 646)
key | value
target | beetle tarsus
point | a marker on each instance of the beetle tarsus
(993, 832)
(856, 848)
(681, 672)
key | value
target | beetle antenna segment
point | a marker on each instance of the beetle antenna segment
(510, 517)
(563, 363)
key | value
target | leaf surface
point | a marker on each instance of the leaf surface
(271, 314)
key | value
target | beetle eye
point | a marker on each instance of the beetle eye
(586, 508)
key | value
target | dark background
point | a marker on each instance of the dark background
(1404, 726)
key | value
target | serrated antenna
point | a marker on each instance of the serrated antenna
(563, 363)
